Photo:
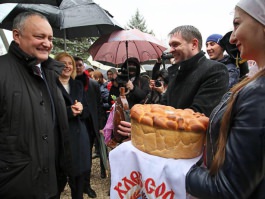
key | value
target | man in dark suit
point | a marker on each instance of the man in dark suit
(199, 83)
(95, 121)
(34, 133)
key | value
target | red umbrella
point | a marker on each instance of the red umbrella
(116, 47)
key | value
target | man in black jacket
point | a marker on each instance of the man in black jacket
(34, 132)
(96, 119)
(199, 83)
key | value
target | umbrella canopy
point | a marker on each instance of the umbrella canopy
(50, 2)
(72, 19)
(116, 47)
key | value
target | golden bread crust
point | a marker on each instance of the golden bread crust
(168, 132)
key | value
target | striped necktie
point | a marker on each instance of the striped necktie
(37, 71)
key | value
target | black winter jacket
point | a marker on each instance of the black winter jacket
(233, 71)
(96, 117)
(33, 140)
(140, 91)
(242, 174)
(199, 84)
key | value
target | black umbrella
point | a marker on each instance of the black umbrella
(72, 19)
(50, 2)
(58, 3)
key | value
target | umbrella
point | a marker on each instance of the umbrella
(117, 46)
(50, 2)
(103, 152)
(72, 19)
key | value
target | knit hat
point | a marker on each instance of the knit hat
(255, 8)
(215, 38)
(113, 70)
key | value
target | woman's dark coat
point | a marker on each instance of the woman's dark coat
(79, 140)
(34, 137)
(242, 174)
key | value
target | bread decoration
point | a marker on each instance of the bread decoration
(168, 132)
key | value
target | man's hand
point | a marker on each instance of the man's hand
(159, 89)
(124, 128)
(129, 85)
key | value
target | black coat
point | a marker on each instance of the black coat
(243, 172)
(97, 116)
(34, 138)
(233, 70)
(199, 84)
(139, 92)
(79, 139)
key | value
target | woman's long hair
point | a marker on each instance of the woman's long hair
(219, 157)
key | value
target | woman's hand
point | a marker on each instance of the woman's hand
(77, 108)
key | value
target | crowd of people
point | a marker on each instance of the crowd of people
(53, 111)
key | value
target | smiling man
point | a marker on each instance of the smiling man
(199, 83)
(33, 137)
(216, 52)
(213, 49)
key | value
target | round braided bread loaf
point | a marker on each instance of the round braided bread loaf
(168, 132)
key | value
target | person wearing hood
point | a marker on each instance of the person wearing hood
(216, 52)
(130, 78)
(34, 132)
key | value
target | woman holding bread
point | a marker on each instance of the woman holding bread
(235, 150)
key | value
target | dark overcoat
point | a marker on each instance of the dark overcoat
(96, 119)
(79, 139)
(34, 133)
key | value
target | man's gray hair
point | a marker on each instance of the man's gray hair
(188, 33)
(20, 19)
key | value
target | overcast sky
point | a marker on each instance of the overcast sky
(209, 16)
